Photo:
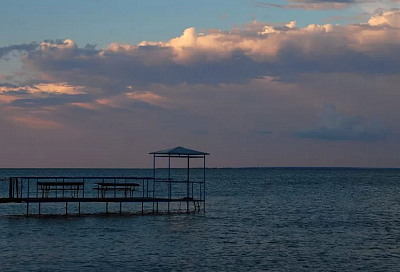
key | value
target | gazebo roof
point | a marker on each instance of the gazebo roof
(179, 150)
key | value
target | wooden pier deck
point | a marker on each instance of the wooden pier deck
(94, 200)
(34, 191)
(149, 191)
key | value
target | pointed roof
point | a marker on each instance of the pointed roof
(179, 150)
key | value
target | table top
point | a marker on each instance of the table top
(60, 183)
(121, 184)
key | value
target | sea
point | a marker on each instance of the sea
(256, 219)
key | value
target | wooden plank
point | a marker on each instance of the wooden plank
(93, 199)
(118, 184)
(60, 183)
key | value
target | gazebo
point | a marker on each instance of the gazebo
(196, 197)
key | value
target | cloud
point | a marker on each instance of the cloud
(54, 88)
(18, 47)
(366, 5)
(313, 4)
(38, 95)
(37, 123)
(173, 75)
(147, 97)
(264, 132)
(254, 51)
(387, 18)
(52, 100)
(356, 17)
(307, 5)
(335, 126)
(250, 87)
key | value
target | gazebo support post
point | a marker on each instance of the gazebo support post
(154, 177)
(204, 184)
(182, 153)
(188, 186)
(169, 180)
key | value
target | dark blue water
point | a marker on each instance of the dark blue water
(256, 219)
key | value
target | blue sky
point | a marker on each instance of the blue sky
(269, 83)
(131, 21)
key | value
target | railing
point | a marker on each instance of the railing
(76, 187)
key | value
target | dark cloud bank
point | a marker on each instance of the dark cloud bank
(335, 126)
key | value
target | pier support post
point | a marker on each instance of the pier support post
(27, 208)
(66, 208)
(10, 189)
(39, 208)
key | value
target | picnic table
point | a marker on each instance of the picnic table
(127, 187)
(47, 186)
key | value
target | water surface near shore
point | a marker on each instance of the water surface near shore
(256, 219)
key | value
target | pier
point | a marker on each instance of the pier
(163, 192)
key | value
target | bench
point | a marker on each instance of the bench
(47, 186)
(103, 187)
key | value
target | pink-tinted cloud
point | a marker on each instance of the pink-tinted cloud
(147, 97)
(317, 5)
(371, 5)
(37, 123)
(44, 88)
(357, 17)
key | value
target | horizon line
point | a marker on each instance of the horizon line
(211, 167)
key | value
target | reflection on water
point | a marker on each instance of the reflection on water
(256, 219)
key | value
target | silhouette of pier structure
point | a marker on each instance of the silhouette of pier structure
(155, 193)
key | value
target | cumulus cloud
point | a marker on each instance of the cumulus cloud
(335, 126)
(387, 18)
(238, 56)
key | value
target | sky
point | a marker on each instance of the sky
(296, 83)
